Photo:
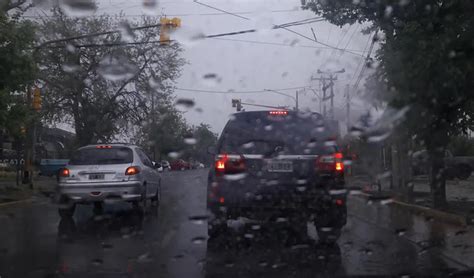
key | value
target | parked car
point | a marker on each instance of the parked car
(274, 165)
(166, 165)
(180, 165)
(158, 166)
(460, 167)
(51, 167)
(96, 173)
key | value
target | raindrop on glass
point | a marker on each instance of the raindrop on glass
(235, 177)
(174, 154)
(143, 258)
(184, 103)
(190, 141)
(198, 219)
(211, 79)
(70, 48)
(400, 232)
(250, 236)
(198, 240)
(126, 32)
(116, 68)
(97, 262)
(78, 8)
(149, 3)
(70, 68)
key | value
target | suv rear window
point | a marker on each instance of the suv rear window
(102, 156)
(261, 133)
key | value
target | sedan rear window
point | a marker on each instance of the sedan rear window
(102, 156)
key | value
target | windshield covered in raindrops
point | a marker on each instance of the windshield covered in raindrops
(236, 138)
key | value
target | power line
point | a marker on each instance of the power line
(285, 28)
(361, 73)
(95, 35)
(217, 9)
(145, 27)
(282, 44)
(177, 15)
(238, 92)
(350, 38)
(362, 60)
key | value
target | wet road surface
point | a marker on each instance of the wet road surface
(172, 242)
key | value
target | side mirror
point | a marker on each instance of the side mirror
(211, 150)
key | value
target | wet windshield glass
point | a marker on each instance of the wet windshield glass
(236, 138)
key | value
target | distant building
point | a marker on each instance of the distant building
(53, 143)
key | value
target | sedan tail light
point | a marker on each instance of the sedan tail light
(330, 163)
(230, 164)
(64, 173)
(132, 170)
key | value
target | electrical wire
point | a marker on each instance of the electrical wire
(285, 28)
(282, 44)
(176, 15)
(362, 71)
(240, 92)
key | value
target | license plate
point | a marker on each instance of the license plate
(96, 176)
(280, 166)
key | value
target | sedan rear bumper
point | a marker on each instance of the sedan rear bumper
(96, 192)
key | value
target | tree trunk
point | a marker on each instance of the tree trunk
(438, 179)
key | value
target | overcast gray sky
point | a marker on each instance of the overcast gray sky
(267, 59)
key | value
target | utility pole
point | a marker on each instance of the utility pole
(331, 77)
(297, 94)
(348, 107)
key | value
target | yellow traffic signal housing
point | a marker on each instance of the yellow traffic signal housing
(166, 25)
(37, 99)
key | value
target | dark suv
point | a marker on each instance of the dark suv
(278, 166)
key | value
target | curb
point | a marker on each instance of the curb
(447, 217)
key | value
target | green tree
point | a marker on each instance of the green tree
(426, 63)
(200, 138)
(163, 129)
(103, 85)
(17, 71)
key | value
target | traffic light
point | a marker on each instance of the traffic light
(166, 25)
(37, 99)
(237, 103)
(23, 130)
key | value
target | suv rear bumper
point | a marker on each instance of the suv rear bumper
(326, 209)
(96, 192)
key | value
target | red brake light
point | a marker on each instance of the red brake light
(329, 163)
(279, 112)
(103, 147)
(220, 165)
(230, 164)
(64, 173)
(132, 170)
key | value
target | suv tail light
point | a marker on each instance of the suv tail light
(132, 170)
(64, 173)
(330, 163)
(230, 164)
